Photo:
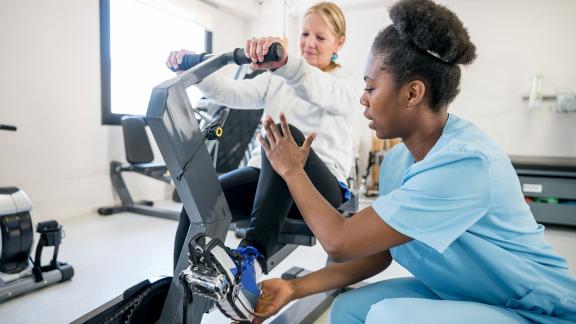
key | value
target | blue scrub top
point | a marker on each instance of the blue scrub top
(475, 238)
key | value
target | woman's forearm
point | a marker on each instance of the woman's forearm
(240, 94)
(338, 275)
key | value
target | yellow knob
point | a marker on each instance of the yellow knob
(219, 131)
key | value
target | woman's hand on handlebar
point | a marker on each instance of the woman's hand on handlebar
(175, 58)
(256, 48)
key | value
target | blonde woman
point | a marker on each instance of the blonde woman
(318, 96)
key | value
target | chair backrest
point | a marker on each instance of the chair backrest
(136, 143)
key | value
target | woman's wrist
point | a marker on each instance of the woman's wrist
(284, 62)
(298, 287)
(293, 174)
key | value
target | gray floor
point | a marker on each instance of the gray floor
(109, 254)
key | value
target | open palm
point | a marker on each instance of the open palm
(276, 293)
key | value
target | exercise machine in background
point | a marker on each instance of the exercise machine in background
(549, 187)
(140, 160)
(19, 273)
(369, 180)
(227, 152)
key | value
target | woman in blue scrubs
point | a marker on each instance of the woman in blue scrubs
(450, 209)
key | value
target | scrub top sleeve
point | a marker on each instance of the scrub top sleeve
(438, 200)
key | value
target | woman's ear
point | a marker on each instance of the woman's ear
(416, 92)
(340, 43)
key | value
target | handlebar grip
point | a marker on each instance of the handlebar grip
(8, 127)
(188, 61)
(274, 54)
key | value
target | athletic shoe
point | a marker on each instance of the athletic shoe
(226, 276)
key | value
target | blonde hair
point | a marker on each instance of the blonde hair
(333, 16)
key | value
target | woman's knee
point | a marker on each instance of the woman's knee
(345, 309)
(296, 133)
(394, 310)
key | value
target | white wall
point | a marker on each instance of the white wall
(50, 89)
(50, 85)
(515, 39)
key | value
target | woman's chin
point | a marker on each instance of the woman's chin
(311, 59)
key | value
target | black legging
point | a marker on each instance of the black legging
(264, 198)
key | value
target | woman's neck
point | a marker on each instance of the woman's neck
(428, 130)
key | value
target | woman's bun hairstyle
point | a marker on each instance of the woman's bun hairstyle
(426, 42)
(433, 28)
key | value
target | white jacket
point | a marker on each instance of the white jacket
(312, 100)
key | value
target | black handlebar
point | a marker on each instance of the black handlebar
(8, 127)
(274, 54)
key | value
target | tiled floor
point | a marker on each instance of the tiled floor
(110, 254)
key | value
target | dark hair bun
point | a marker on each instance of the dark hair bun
(434, 28)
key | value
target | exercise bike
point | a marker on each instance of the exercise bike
(198, 283)
(19, 273)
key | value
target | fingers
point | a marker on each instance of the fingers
(269, 134)
(175, 58)
(248, 52)
(252, 51)
(308, 142)
(256, 48)
(264, 143)
(266, 46)
(285, 126)
(247, 48)
(261, 47)
(256, 56)
(275, 132)
(180, 55)
(169, 63)
(272, 131)
(269, 41)
(172, 61)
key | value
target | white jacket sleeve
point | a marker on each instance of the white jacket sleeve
(241, 94)
(337, 93)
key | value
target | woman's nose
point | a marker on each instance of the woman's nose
(310, 42)
(363, 101)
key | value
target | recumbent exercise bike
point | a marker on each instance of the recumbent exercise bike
(196, 282)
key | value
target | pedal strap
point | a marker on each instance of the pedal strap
(210, 253)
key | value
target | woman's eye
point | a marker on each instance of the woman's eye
(305, 34)
(321, 38)
(369, 90)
